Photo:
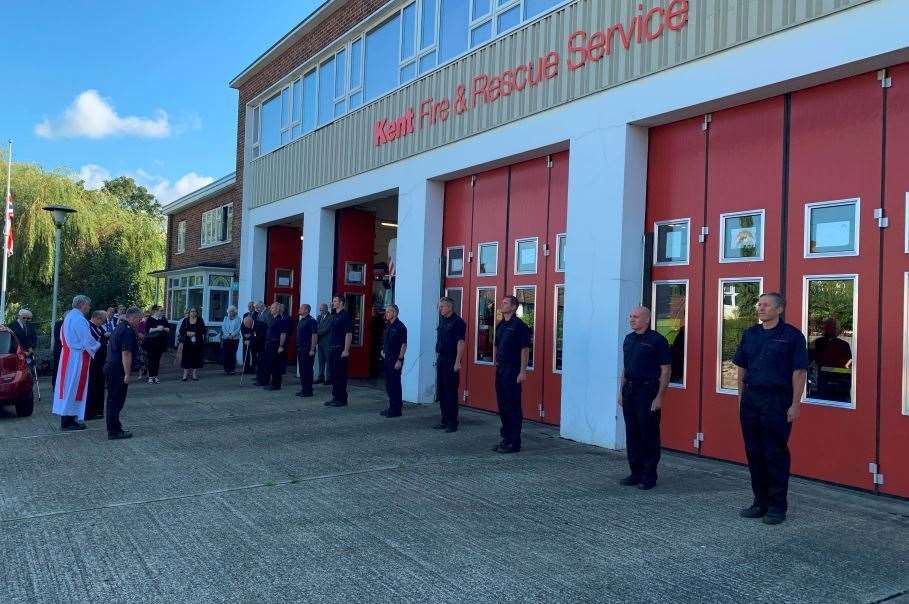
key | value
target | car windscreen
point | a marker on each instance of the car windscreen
(8, 344)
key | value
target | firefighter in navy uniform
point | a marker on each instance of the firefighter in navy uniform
(772, 361)
(276, 346)
(123, 347)
(307, 341)
(648, 366)
(394, 346)
(450, 336)
(340, 338)
(512, 340)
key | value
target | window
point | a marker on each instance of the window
(354, 273)
(525, 256)
(456, 294)
(326, 91)
(670, 308)
(177, 304)
(489, 259)
(287, 300)
(527, 297)
(427, 23)
(382, 51)
(217, 224)
(220, 281)
(218, 301)
(559, 320)
(194, 299)
(455, 262)
(256, 129)
(270, 136)
(284, 277)
(532, 8)
(829, 325)
(354, 305)
(181, 236)
(831, 228)
(738, 312)
(672, 242)
(742, 236)
(486, 321)
(453, 25)
(560, 253)
(310, 104)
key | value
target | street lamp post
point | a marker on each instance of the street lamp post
(59, 214)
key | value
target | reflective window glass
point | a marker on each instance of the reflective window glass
(285, 107)
(486, 318)
(527, 297)
(489, 257)
(831, 339)
(672, 242)
(340, 75)
(408, 72)
(525, 258)
(408, 30)
(480, 34)
(356, 60)
(382, 58)
(427, 62)
(480, 8)
(738, 313)
(559, 323)
(456, 294)
(194, 299)
(560, 252)
(177, 304)
(832, 228)
(532, 8)
(297, 101)
(743, 236)
(669, 309)
(339, 108)
(356, 100)
(455, 262)
(508, 19)
(427, 23)
(453, 25)
(354, 305)
(326, 91)
(271, 124)
(218, 301)
(310, 84)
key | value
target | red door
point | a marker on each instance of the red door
(675, 213)
(551, 315)
(457, 220)
(833, 273)
(283, 272)
(894, 401)
(744, 191)
(355, 237)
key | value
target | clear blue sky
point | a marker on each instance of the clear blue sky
(162, 109)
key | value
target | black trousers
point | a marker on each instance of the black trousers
(263, 362)
(447, 381)
(642, 428)
(337, 366)
(393, 386)
(116, 398)
(229, 354)
(155, 351)
(249, 358)
(324, 352)
(277, 363)
(766, 430)
(305, 365)
(508, 399)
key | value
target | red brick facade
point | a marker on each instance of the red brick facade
(225, 254)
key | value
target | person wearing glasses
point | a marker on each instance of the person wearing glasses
(24, 329)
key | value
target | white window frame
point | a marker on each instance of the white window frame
(855, 337)
(291, 278)
(448, 291)
(835, 202)
(760, 257)
(656, 242)
(347, 266)
(448, 250)
(219, 211)
(906, 341)
(205, 309)
(495, 271)
(558, 253)
(476, 324)
(533, 336)
(181, 237)
(684, 282)
(536, 255)
(555, 328)
(719, 328)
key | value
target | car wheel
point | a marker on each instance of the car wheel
(26, 406)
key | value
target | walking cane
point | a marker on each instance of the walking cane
(36, 387)
(245, 356)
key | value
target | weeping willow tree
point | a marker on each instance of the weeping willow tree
(107, 250)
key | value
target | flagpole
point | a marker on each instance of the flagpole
(6, 227)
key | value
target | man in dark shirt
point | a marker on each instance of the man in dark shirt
(512, 340)
(394, 346)
(123, 347)
(307, 340)
(648, 365)
(276, 346)
(772, 361)
(58, 326)
(324, 348)
(450, 336)
(340, 338)
(25, 331)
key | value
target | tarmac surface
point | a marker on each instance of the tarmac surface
(231, 493)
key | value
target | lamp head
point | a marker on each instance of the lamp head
(59, 214)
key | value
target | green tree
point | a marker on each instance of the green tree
(133, 196)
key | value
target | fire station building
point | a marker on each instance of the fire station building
(587, 156)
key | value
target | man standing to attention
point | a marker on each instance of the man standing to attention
(122, 348)
(394, 346)
(450, 336)
(307, 341)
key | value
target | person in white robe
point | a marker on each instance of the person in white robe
(77, 348)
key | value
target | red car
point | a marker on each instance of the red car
(16, 379)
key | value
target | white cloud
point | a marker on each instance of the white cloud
(166, 193)
(91, 116)
(92, 175)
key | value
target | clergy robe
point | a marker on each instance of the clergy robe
(77, 347)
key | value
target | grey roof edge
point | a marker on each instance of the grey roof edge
(199, 195)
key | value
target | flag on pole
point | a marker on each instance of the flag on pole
(9, 224)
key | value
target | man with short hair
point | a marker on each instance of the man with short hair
(450, 335)
(251, 311)
(77, 347)
(122, 348)
(512, 342)
(324, 350)
(110, 324)
(276, 346)
(772, 361)
(24, 329)
(307, 341)
(341, 337)
(647, 369)
(394, 346)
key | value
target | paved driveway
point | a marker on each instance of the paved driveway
(229, 493)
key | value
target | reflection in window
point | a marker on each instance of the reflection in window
(381, 53)
(354, 305)
(832, 228)
(489, 257)
(527, 297)
(326, 91)
(831, 339)
(559, 322)
(456, 294)
(354, 273)
(309, 101)
(560, 252)
(672, 242)
(508, 19)
(408, 30)
(194, 299)
(271, 124)
(525, 256)
(455, 262)
(453, 25)
(532, 8)
(218, 301)
(739, 312)
(427, 23)
(669, 307)
(177, 304)
(486, 319)
(743, 236)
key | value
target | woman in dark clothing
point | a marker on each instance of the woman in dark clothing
(192, 336)
(94, 399)
(157, 335)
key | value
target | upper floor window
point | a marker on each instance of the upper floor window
(181, 236)
(216, 225)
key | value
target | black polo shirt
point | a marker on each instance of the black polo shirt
(341, 325)
(450, 331)
(124, 339)
(281, 324)
(770, 356)
(511, 336)
(394, 337)
(305, 329)
(645, 354)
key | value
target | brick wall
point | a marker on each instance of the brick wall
(226, 253)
